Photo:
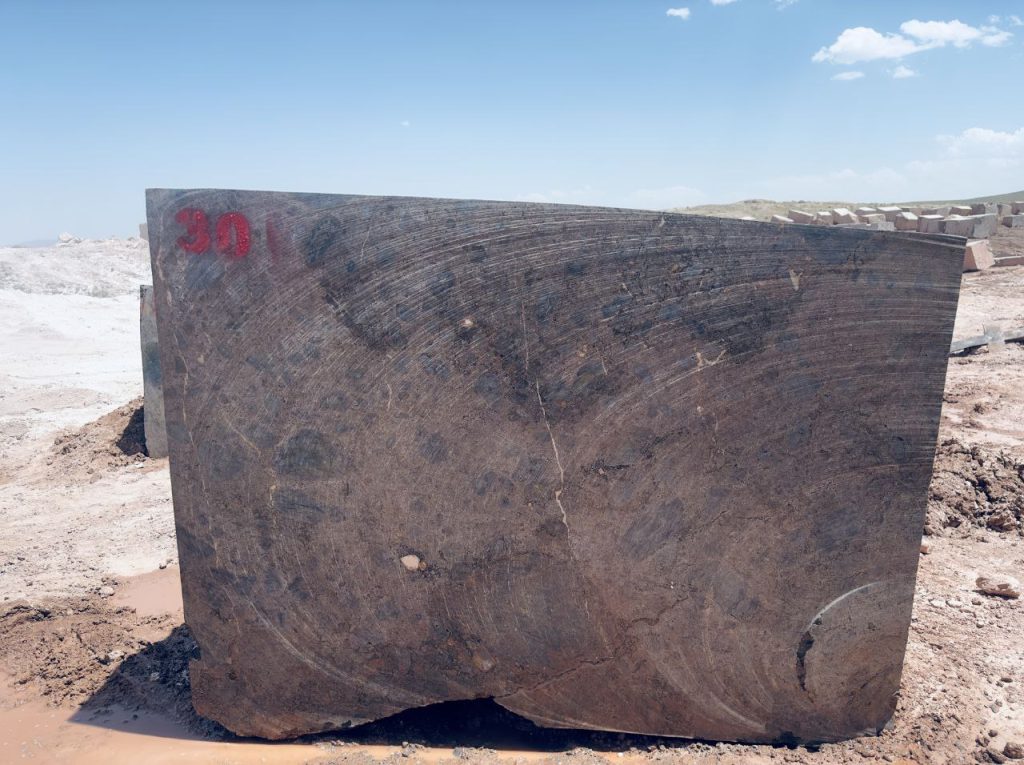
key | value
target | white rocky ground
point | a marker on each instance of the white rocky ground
(69, 353)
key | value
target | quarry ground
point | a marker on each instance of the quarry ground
(93, 651)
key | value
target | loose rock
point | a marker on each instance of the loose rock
(1002, 587)
(411, 562)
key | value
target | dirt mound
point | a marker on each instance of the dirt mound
(114, 440)
(975, 487)
(82, 652)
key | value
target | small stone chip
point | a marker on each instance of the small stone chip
(411, 562)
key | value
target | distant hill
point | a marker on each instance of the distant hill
(36, 243)
(1016, 196)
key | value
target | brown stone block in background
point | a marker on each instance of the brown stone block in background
(152, 378)
(615, 469)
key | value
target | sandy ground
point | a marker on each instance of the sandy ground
(93, 652)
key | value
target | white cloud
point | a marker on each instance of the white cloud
(974, 162)
(781, 4)
(679, 13)
(936, 34)
(859, 44)
(903, 73)
(722, 2)
(982, 142)
(405, 123)
(865, 44)
(847, 76)
(1015, 21)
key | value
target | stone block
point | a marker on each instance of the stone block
(1018, 208)
(1014, 221)
(143, 231)
(961, 210)
(958, 226)
(984, 208)
(781, 219)
(843, 215)
(799, 216)
(873, 218)
(1005, 209)
(942, 211)
(984, 225)
(890, 213)
(930, 224)
(152, 378)
(863, 212)
(431, 449)
(978, 256)
(824, 217)
(906, 221)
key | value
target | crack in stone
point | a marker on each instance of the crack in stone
(547, 424)
(558, 459)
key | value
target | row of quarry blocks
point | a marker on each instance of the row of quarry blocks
(977, 221)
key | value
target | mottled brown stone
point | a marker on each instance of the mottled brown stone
(615, 469)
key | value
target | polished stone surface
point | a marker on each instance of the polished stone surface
(615, 469)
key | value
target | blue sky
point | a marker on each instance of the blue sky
(597, 102)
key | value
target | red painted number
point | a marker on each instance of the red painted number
(234, 237)
(198, 227)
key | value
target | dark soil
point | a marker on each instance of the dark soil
(975, 487)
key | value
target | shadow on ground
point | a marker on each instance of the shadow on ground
(132, 440)
(154, 682)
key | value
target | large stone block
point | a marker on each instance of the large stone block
(782, 219)
(906, 221)
(843, 215)
(614, 469)
(1018, 208)
(959, 226)
(984, 225)
(930, 224)
(978, 256)
(152, 377)
(961, 210)
(984, 208)
(1014, 221)
(825, 217)
(890, 213)
(863, 212)
(799, 216)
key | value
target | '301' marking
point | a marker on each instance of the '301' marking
(232, 235)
